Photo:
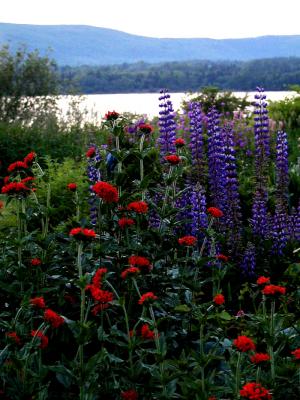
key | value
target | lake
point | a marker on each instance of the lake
(97, 105)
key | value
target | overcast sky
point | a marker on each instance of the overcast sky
(163, 18)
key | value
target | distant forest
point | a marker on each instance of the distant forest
(273, 74)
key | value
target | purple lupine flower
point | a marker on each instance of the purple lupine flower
(262, 152)
(154, 219)
(297, 224)
(216, 161)
(196, 141)
(94, 176)
(248, 262)
(198, 212)
(183, 204)
(167, 125)
(260, 219)
(232, 213)
(280, 229)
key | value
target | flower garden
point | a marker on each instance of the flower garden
(169, 270)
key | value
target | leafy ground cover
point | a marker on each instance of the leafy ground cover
(162, 265)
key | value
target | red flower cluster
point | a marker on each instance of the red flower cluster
(215, 212)
(38, 302)
(103, 297)
(187, 241)
(147, 298)
(130, 271)
(106, 192)
(255, 391)
(98, 277)
(125, 222)
(111, 115)
(258, 358)
(179, 142)
(146, 332)
(72, 186)
(14, 337)
(244, 343)
(53, 318)
(219, 299)
(30, 158)
(141, 262)
(35, 262)
(91, 152)
(82, 233)
(262, 280)
(296, 354)
(173, 159)
(222, 257)
(13, 188)
(17, 166)
(140, 207)
(130, 395)
(273, 290)
(145, 128)
(43, 339)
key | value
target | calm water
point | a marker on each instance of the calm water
(96, 105)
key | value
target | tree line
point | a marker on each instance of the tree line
(273, 74)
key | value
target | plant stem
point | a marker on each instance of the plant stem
(142, 165)
(201, 344)
(82, 306)
(238, 376)
(270, 347)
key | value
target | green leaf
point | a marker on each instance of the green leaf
(225, 315)
(182, 308)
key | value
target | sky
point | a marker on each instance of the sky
(163, 18)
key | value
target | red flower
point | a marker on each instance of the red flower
(82, 233)
(111, 115)
(130, 271)
(147, 298)
(14, 337)
(173, 159)
(130, 395)
(139, 261)
(258, 358)
(38, 302)
(219, 299)
(15, 188)
(72, 186)
(244, 343)
(140, 207)
(145, 128)
(187, 241)
(53, 318)
(255, 391)
(125, 222)
(97, 278)
(30, 158)
(102, 296)
(222, 257)
(146, 332)
(262, 280)
(43, 339)
(296, 354)
(212, 398)
(215, 212)
(179, 142)
(106, 192)
(91, 152)
(17, 166)
(273, 290)
(35, 262)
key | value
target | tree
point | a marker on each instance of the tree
(26, 81)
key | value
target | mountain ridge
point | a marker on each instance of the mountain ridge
(76, 45)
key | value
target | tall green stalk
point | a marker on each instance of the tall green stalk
(82, 307)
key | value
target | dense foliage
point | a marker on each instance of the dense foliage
(169, 271)
(274, 73)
